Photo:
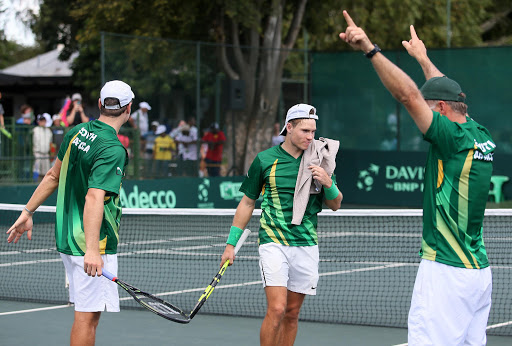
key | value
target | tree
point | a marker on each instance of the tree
(257, 36)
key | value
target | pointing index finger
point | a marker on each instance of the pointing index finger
(348, 19)
(413, 33)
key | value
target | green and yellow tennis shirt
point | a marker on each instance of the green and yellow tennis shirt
(274, 174)
(92, 157)
(457, 180)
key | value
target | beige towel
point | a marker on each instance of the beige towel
(321, 152)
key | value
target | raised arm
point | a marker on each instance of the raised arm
(398, 83)
(416, 48)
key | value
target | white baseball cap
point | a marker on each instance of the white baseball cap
(160, 129)
(118, 90)
(145, 105)
(299, 111)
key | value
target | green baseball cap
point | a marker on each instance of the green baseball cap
(442, 88)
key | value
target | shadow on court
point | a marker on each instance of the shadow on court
(136, 327)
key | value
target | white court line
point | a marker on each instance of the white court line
(34, 310)
(498, 325)
(401, 344)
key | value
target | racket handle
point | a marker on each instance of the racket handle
(107, 274)
(242, 239)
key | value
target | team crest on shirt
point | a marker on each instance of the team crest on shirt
(119, 171)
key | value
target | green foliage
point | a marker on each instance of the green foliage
(12, 53)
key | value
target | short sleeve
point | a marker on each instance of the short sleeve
(65, 143)
(448, 136)
(108, 169)
(253, 182)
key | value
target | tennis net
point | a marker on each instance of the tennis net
(368, 263)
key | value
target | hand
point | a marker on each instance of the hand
(22, 225)
(320, 175)
(355, 36)
(93, 263)
(415, 47)
(229, 254)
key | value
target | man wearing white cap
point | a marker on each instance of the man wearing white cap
(296, 178)
(88, 173)
(140, 119)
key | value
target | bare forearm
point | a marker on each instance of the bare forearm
(429, 69)
(47, 186)
(93, 217)
(84, 117)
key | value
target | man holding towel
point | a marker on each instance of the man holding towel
(295, 178)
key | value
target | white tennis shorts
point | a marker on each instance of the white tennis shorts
(293, 267)
(450, 305)
(91, 294)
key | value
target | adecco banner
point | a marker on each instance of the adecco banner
(388, 178)
(366, 178)
(221, 192)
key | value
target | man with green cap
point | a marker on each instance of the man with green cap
(452, 293)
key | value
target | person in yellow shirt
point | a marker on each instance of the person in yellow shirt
(162, 152)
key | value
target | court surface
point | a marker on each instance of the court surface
(41, 326)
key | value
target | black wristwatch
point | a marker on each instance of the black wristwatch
(374, 51)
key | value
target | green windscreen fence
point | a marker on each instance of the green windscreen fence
(355, 108)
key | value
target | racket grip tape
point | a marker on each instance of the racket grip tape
(242, 239)
(108, 274)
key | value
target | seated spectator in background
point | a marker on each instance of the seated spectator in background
(41, 141)
(215, 139)
(140, 119)
(149, 144)
(187, 151)
(26, 117)
(277, 138)
(49, 121)
(162, 151)
(76, 115)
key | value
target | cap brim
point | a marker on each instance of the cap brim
(283, 131)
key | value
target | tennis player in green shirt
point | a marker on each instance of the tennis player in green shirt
(288, 243)
(88, 174)
(452, 293)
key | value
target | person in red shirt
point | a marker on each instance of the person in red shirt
(215, 139)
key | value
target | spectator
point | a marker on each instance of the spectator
(175, 131)
(215, 139)
(2, 124)
(187, 149)
(162, 151)
(277, 138)
(76, 115)
(149, 143)
(27, 114)
(41, 140)
(140, 119)
(58, 135)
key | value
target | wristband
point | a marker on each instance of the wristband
(28, 211)
(374, 51)
(331, 192)
(234, 235)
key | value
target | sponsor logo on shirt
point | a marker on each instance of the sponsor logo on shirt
(120, 172)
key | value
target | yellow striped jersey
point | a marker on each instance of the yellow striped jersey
(274, 174)
(457, 180)
(92, 157)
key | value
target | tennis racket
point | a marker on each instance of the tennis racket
(150, 302)
(165, 309)
(208, 291)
